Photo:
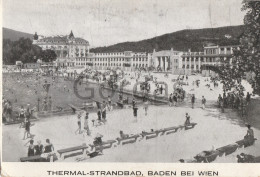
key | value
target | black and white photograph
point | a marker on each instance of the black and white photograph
(131, 81)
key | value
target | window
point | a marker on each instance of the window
(183, 66)
(188, 66)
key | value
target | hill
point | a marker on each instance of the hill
(183, 40)
(15, 35)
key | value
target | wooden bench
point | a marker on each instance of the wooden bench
(105, 145)
(229, 149)
(150, 135)
(128, 140)
(46, 157)
(190, 126)
(169, 130)
(243, 143)
(72, 149)
(36, 158)
(208, 158)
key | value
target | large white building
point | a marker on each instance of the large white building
(166, 60)
(74, 52)
(127, 60)
(67, 48)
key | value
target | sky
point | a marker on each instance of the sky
(107, 22)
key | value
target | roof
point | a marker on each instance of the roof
(63, 40)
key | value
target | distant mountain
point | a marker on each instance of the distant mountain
(183, 40)
(15, 35)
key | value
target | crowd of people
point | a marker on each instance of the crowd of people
(234, 101)
(227, 100)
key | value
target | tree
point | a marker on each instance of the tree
(23, 50)
(48, 55)
(245, 60)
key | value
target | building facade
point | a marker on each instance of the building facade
(214, 55)
(74, 52)
(128, 60)
(190, 62)
(166, 60)
(67, 48)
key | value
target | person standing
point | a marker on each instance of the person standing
(50, 104)
(22, 113)
(219, 100)
(170, 100)
(187, 121)
(109, 103)
(86, 126)
(146, 106)
(248, 97)
(133, 103)
(175, 99)
(192, 101)
(28, 111)
(99, 113)
(45, 107)
(161, 89)
(27, 129)
(79, 124)
(203, 101)
(135, 111)
(104, 114)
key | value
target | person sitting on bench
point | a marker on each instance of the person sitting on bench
(249, 137)
(245, 158)
(48, 147)
(187, 122)
(98, 142)
(122, 135)
(31, 149)
(38, 148)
